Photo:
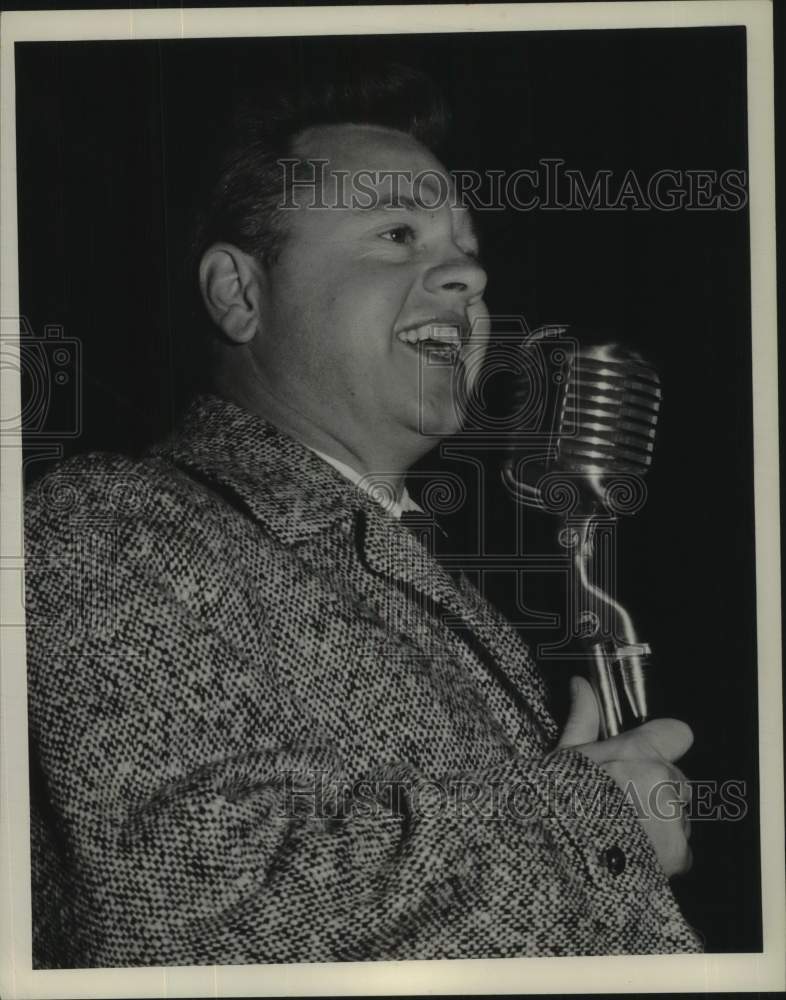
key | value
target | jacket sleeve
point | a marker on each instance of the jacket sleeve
(191, 814)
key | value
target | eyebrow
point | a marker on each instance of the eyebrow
(398, 201)
(411, 204)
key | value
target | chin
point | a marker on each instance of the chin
(439, 420)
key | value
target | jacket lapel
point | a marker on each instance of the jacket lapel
(283, 485)
(392, 551)
(296, 496)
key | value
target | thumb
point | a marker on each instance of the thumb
(583, 725)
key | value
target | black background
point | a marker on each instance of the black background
(110, 137)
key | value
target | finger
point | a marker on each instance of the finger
(671, 844)
(660, 739)
(678, 857)
(686, 795)
(583, 725)
(670, 738)
(668, 799)
(685, 862)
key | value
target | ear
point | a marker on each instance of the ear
(232, 283)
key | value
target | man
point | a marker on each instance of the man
(266, 724)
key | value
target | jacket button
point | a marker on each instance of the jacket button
(615, 860)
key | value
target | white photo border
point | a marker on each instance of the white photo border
(691, 973)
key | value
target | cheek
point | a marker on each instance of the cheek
(339, 307)
(367, 309)
(480, 326)
(303, 312)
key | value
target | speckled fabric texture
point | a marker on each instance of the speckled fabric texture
(266, 726)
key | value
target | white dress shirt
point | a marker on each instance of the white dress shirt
(380, 489)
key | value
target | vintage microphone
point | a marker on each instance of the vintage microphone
(586, 460)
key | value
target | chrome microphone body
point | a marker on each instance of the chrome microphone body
(597, 449)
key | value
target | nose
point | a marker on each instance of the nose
(461, 274)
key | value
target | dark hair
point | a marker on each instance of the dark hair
(242, 207)
(244, 189)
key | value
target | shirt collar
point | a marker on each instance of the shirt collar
(377, 487)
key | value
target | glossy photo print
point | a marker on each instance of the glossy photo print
(390, 419)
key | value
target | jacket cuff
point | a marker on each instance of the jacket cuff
(600, 823)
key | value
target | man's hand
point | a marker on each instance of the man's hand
(643, 758)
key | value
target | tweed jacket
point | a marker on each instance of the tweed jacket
(267, 726)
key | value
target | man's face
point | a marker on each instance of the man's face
(355, 290)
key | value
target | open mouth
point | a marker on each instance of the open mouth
(434, 351)
(438, 343)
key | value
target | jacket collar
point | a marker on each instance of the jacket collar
(292, 492)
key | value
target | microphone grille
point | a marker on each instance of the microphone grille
(609, 412)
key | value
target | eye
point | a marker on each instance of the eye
(402, 234)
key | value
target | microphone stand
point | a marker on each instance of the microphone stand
(619, 658)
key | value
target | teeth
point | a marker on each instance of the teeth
(445, 333)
